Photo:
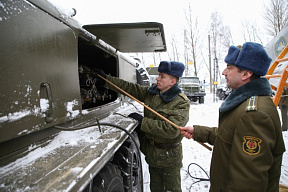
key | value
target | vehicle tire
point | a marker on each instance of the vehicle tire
(201, 100)
(109, 179)
(194, 99)
(129, 162)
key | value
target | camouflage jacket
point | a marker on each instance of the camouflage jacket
(248, 143)
(174, 106)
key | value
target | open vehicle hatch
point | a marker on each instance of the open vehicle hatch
(131, 37)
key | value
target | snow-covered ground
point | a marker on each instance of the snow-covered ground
(205, 114)
(193, 152)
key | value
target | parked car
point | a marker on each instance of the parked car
(223, 92)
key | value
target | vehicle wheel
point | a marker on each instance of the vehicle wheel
(109, 179)
(201, 100)
(129, 162)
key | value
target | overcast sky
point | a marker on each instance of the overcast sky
(171, 13)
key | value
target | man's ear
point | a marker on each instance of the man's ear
(173, 80)
(246, 75)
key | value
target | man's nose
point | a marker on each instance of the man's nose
(224, 71)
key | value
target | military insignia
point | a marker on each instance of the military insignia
(251, 104)
(251, 145)
(280, 45)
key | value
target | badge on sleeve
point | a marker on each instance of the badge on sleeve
(251, 145)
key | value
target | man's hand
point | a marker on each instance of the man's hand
(187, 132)
(99, 80)
(100, 72)
(136, 116)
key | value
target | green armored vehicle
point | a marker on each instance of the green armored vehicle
(192, 89)
(60, 129)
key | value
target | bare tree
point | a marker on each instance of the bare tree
(192, 40)
(154, 57)
(220, 35)
(226, 36)
(174, 56)
(251, 32)
(220, 39)
(276, 16)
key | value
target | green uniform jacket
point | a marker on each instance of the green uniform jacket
(248, 143)
(174, 106)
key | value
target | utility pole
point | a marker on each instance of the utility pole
(210, 70)
(215, 79)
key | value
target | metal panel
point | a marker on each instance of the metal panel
(38, 63)
(61, 164)
(131, 37)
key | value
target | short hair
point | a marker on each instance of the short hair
(253, 76)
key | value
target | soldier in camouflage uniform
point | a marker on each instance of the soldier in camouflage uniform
(248, 143)
(161, 144)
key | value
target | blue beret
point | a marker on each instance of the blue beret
(172, 68)
(251, 57)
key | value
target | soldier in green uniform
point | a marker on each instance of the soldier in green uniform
(161, 144)
(248, 143)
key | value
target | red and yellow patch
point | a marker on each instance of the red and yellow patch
(251, 145)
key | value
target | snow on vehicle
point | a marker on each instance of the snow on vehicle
(60, 129)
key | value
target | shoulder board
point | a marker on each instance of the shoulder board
(251, 103)
(183, 96)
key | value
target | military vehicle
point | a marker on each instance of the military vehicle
(192, 88)
(153, 74)
(60, 129)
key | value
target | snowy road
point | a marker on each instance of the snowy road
(205, 114)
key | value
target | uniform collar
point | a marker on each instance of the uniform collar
(168, 95)
(256, 87)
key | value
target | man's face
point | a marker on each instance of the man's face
(165, 82)
(233, 76)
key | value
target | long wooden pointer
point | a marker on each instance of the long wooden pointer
(153, 111)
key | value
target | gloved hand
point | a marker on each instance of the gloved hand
(99, 80)
(136, 116)
(100, 72)
(139, 118)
